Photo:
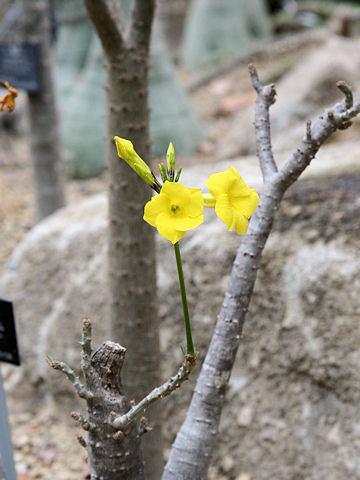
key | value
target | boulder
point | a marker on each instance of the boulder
(293, 399)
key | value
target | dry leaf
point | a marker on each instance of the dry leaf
(7, 103)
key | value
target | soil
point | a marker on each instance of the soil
(44, 443)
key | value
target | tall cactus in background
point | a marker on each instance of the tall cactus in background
(80, 75)
(216, 29)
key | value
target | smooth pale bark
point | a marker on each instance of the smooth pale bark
(194, 444)
(132, 267)
(48, 175)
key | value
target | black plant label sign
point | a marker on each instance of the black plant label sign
(19, 65)
(8, 345)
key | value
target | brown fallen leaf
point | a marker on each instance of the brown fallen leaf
(7, 103)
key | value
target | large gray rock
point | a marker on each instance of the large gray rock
(302, 94)
(293, 400)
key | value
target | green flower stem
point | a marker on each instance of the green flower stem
(189, 343)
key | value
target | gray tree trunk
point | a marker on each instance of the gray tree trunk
(112, 453)
(44, 130)
(132, 267)
(111, 456)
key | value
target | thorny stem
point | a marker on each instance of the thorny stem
(345, 89)
(121, 421)
(81, 420)
(265, 98)
(86, 346)
(74, 379)
(189, 342)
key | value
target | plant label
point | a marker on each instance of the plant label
(8, 344)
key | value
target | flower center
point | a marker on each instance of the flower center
(175, 209)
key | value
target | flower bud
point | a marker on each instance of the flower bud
(162, 171)
(126, 151)
(170, 159)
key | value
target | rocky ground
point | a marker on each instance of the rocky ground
(44, 441)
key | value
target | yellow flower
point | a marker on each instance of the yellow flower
(126, 151)
(175, 210)
(235, 201)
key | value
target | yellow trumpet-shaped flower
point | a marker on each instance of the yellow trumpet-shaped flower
(126, 151)
(235, 201)
(175, 210)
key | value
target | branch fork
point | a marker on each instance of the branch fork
(105, 364)
(191, 454)
(121, 421)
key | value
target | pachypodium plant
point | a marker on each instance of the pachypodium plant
(175, 209)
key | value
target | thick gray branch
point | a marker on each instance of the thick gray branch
(194, 444)
(105, 17)
(265, 98)
(131, 253)
(142, 15)
(338, 118)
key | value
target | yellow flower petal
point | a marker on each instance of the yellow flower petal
(224, 211)
(237, 186)
(235, 202)
(153, 208)
(166, 229)
(196, 201)
(175, 210)
(187, 223)
(241, 224)
(246, 204)
(218, 183)
(176, 191)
